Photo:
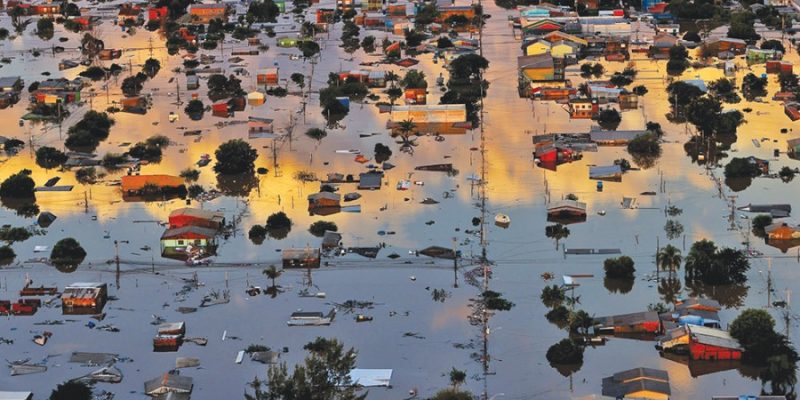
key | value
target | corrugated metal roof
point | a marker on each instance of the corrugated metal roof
(713, 337)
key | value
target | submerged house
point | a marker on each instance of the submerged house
(138, 187)
(188, 241)
(301, 258)
(84, 298)
(638, 383)
(324, 203)
(564, 210)
(646, 322)
(169, 383)
(782, 231)
(712, 344)
(196, 217)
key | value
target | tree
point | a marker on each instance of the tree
(298, 79)
(552, 296)
(278, 220)
(444, 42)
(580, 321)
(19, 185)
(673, 228)
(773, 44)
(406, 127)
(703, 113)
(272, 273)
(619, 268)
(195, 109)
(325, 375)
(309, 48)
(316, 133)
(741, 168)
(681, 94)
(692, 36)
(221, 87)
(786, 174)
(7, 255)
(49, 157)
(494, 301)
(467, 67)
(457, 378)
(741, 26)
(67, 252)
(262, 11)
(759, 223)
(565, 352)
(708, 264)
(382, 152)
(15, 234)
(754, 86)
(755, 331)
(235, 157)
(414, 80)
(620, 80)
(609, 118)
(72, 390)
(426, 15)
(151, 67)
(132, 85)
(319, 228)
(44, 28)
(669, 258)
(256, 234)
(556, 232)
(645, 145)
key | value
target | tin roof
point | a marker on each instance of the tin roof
(198, 213)
(713, 337)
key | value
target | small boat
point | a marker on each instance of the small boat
(405, 184)
(52, 181)
(301, 318)
(351, 151)
(502, 220)
(429, 200)
(352, 196)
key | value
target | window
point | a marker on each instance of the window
(180, 242)
(197, 242)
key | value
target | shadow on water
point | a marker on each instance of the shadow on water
(23, 207)
(728, 296)
(738, 184)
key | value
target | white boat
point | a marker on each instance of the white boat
(351, 151)
(302, 318)
(404, 184)
(502, 220)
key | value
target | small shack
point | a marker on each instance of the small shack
(323, 199)
(187, 241)
(566, 210)
(606, 173)
(301, 258)
(82, 298)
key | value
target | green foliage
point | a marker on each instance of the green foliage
(309, 48)
(741, 26)
(452, 394)
(382, 152)
(113, 160)
(710, 265)
(7, 255)
(786, 174)
(619, 268)
(145, 151)
(414, 80)
(580, 321)
(669, 257)
(86, 175)
(741, 168)
(414, 38)
(609, 118)
(316, 133)
(235, 157)
(319, 228)
(645, 145)
(467, 67)
(195, 108)
(262, 11)
(673, 228)
(190, 174)
(221, 87)
(72, 390)
(755, 331)
(45, 28)
(132, 85)
(195, 190)
(692, 36)
(19, 185)
(325, 375)
(278, 220)
(93, 128)
(49, 157)
(559, 315)
(565, 352)
(773, 44)
(457, 377)
(443, 42)
(67, 252)
(426, 15)
(255, 348)
(14, 234)
(692, 10)
(12, 145)
(760, 222)
(257, 233)
(552, 296)
(151, 67)
(94, 73)
(556, 232)
(494, 301)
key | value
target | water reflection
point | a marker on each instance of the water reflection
(669, 289)
(621, 286)
(239, 185)
(25, 207)
(728, 296)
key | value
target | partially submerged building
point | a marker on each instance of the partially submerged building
(646, 322)
(84, 298)
(301, 258)
(638, 383)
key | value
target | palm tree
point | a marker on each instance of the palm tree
(457, 378)
(272, 273)
(391, 77)
(669, 258)
(669, 288)
(406, 127)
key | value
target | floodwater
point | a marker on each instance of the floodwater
(517, 340)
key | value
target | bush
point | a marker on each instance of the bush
(645, 145)
(190, 174)
(619, 268)
(6, 254)
(86, 175)
(16, 234)
(67, 251)
(257, 233)
(72, 390)
(49, 157)
(565, 352)
(113, 160)
(235, 157)
(318, 228)
(316, 133)
(195, 109)
(558, 315)
(278, 220)
(195, 190)
(19, 185)
(741, 168)
(144, 151)
(759, 223)
(609, 118)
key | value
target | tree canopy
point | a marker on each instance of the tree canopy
(235, 157)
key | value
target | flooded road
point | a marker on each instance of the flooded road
(518, 339)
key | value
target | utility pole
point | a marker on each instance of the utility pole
(85, 203)
(455, 264)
